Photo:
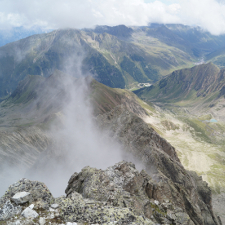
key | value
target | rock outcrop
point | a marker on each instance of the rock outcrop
(123, 188)
(38, 193)
(21, 197)
(118, 195)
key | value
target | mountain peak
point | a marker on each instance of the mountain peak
(121, 31)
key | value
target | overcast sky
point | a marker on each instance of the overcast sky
(53, 14)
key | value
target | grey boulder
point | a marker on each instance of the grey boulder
(21, 197)
(29, 213)
(42, 221)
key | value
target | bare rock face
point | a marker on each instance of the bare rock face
(100, 197)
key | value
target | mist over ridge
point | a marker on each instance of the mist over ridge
(67, 91)
(77, 143)
(76, 140)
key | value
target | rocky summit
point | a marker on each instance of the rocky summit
(118, 195)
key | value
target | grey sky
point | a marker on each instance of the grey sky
(209, 14)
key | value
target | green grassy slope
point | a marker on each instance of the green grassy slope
(117, 56)
(201, 84)
(217, 57)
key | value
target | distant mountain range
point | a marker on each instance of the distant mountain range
(117, 56)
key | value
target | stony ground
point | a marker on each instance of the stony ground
(118, 195)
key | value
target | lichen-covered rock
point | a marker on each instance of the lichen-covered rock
(78, 209)
(118, 195)
(17, 222)
(119, 187)
(9, 210)
(38, 192)
(54, 206)
(42, 221)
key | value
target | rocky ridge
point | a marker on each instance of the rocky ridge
(165, 180)
(118, 195)
(185, 189)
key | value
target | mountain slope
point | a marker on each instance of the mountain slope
(117, 113)
(193, 40)
(192, 119)
(113, 61)
(217, 57)
(188, 86)
(116, 56)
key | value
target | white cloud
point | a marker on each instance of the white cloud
(209, 14)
